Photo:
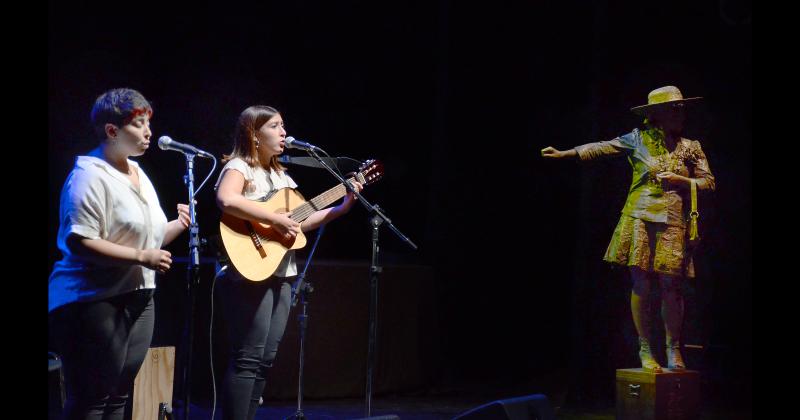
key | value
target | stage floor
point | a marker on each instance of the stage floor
(415, 408)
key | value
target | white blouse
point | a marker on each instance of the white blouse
(258, 184)
(99, 202)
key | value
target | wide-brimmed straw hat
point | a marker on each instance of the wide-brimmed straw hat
(663, 97)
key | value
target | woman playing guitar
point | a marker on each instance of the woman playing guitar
(256, 311)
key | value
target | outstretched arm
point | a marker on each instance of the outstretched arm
(321, 217)
(551, 152)
(615, 147)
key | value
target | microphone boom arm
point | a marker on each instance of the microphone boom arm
(373, 209)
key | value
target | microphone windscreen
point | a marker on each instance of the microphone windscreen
(163, 142)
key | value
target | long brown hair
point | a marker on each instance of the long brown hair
(250, 120)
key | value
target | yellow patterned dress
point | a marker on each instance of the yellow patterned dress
(651, 233)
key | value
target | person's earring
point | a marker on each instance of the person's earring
(256, 140)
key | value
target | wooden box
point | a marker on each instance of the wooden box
(671, 394)
(153, 384)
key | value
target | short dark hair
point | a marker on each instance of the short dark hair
(118, 107)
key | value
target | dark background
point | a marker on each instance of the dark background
(456, 99)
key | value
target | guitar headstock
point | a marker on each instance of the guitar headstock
(369, 172)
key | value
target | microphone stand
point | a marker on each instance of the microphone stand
(193, 280)
(377, 218)
(303, 288)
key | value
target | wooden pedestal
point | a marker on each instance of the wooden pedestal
(671, 394)
(153, 384)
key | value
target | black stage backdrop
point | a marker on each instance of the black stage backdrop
(508, 289)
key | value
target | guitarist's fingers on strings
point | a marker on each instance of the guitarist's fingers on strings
(350, 198)
(356, 186)
(285, 225)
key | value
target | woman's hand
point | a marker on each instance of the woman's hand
(183, 215)
(283, 223)
(351, 198)
(155, 259)
(177, 226)
(673, 178)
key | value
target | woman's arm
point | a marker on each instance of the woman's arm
(615, 147)
(702, 173)
(551, 152)
(103, 252)
(321, 217)
(177, 226)
(231, 200)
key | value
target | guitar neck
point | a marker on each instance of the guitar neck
(319, 202)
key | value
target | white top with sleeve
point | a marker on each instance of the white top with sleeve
(99, 202)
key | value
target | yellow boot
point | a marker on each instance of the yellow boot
(674, 358)
(648, 362)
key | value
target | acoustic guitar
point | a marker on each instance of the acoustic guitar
(256, 249)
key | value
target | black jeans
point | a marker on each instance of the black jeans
(256, 315)
(102, 346)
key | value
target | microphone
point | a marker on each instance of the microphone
(291, 143)
(166, 143)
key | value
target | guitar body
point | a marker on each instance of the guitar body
(256, 249)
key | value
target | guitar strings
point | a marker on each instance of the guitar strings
(307, 209)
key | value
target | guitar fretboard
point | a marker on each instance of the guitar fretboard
(319, 202)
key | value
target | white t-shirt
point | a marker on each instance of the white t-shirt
(99, 202)
(258, 184)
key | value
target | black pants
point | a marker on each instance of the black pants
(256, 315)
(102, 346)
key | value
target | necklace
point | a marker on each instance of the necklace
(662, 160)
(672, 161)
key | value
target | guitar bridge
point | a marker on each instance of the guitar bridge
(256, 239)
